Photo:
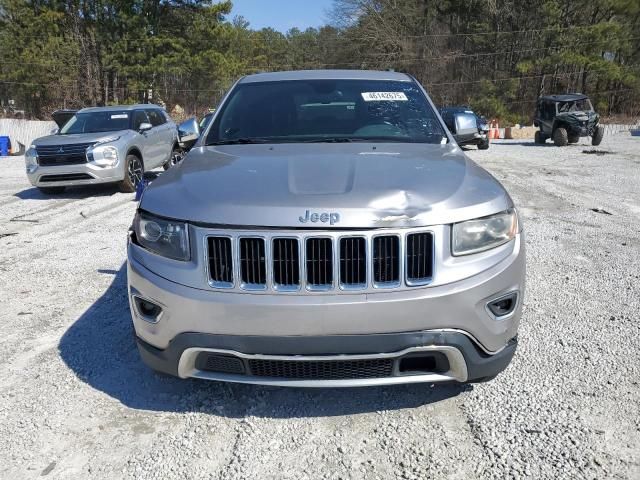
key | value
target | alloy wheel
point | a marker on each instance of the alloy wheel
(135, 171)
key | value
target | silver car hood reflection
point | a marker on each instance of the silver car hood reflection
(369, 185)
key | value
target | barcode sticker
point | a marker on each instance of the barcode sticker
(384, 96)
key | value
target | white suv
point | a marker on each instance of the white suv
(104, 145)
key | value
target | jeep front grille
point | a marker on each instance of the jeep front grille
(308, 261)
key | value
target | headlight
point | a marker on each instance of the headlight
(110, 155)
(164, 237)
(103, 156)
(482, 234)
(31, 159)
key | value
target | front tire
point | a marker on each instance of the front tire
(574, 138)
(177, 154)
(539, 137)
(560, 137)
(597, 136)
(133, 174)
(484, 145)
(51, 190)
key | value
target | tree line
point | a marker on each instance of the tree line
(497, 56)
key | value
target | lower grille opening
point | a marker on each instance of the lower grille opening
(421, 363)
(322, 370)
(219, 363)
(65, 177)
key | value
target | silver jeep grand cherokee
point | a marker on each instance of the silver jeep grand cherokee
(103, 145)
(326, 230)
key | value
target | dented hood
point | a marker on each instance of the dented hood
(356, 185)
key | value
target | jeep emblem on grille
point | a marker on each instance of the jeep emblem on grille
(332, 217)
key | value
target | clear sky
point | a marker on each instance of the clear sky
(282, 14)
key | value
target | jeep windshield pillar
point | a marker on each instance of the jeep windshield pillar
(566, 118)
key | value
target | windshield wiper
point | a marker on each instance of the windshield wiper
(239, 141)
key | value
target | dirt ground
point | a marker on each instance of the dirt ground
(76, 402)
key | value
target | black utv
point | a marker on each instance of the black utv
(566, 118)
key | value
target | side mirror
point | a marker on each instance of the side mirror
(54, 131)
(189, 132)
(466, 124)
(144, 126)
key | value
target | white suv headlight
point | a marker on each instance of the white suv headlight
(31, 159)
(482, 234)
(103, 156)
(164, 237)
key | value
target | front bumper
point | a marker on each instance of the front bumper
(450, 319)
(465, 362)
(94, 174)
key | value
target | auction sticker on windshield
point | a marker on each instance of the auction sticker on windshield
(119, 115)
(388, 96)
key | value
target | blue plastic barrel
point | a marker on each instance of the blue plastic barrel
(5, 143)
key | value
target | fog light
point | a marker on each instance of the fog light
(148, 310)
(503, 306)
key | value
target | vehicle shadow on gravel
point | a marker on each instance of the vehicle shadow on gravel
(100, 349)
(71, 192)
(79, 192)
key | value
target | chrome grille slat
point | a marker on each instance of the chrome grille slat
(319, 262)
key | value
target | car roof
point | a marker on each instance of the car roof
(568, 97)
(326, 75)
(119, 108)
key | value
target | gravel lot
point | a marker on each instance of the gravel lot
(76, 402)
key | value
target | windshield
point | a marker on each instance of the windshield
(326, 110)
(96, 122)
(583, 105)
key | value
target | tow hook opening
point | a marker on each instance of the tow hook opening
(148, 310)
(503, 306)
